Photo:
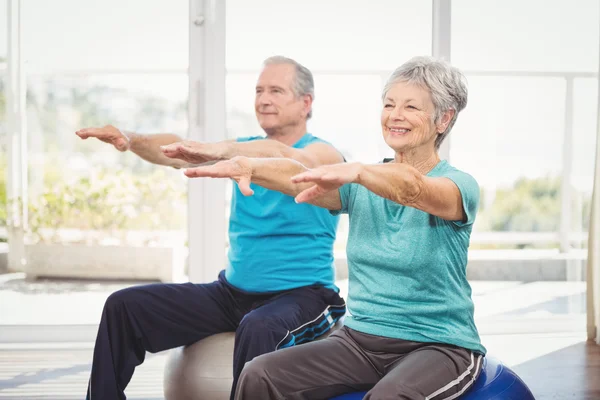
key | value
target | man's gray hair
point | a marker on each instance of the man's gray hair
(446, 84)
(304, 83)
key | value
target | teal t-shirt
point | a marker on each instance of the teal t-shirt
(276, 244)
(407, 268)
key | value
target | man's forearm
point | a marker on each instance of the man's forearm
(262, 149)
(147, 147)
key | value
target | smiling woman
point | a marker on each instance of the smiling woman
(414, 329)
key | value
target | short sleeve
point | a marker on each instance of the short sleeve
(469, 191)
(249, 138)
(344, 199)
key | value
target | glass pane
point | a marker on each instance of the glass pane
(3, 135)
(511, 138)
(88, 185)
(585, 109)
(356, 134)
(333, 34)
(136, 35)
(241, 119)
(96, 213)
(357, 138)
(3, 31)
(3, 155)
(514, 35)
(350, 58)
(513, 146)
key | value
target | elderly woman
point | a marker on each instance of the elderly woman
(411, 333)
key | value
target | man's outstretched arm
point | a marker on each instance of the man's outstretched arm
(311, 156)
(147, 147)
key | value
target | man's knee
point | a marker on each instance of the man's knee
(256, 328)
(120, 298)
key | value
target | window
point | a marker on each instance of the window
(132, 76)
(351, 49)
(528, 136)
(81, 73)
(3, 137)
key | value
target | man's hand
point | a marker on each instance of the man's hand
(193, 152)
(326, 178)
(238, 169)
(108, 134)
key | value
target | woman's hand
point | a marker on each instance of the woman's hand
(238, 169)
(327, 178)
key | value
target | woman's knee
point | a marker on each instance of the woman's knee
(257, 367)
(255, 377)
(385, 390)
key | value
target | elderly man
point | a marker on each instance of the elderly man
(277, 289)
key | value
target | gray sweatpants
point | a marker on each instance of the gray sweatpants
(351, 361)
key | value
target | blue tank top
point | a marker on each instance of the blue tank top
(276, 244)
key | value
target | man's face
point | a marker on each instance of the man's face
(277, 106)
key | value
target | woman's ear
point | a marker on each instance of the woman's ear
(445, 121)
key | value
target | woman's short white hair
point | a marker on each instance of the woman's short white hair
(445, 83)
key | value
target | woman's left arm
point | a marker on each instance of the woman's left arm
(405, 185)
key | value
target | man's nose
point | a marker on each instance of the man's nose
(264, 99)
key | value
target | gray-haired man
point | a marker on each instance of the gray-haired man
(277, 289)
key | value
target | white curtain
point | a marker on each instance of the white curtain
(593, 262)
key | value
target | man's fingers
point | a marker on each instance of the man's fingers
(82, 134)
(186, 149)
(170, 150)
(88, 132)
(121, 144)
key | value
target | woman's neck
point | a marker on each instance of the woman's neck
(422, 162)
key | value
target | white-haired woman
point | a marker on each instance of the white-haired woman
(411, 332)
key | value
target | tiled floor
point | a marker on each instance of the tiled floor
(59, 370)
(62, 374)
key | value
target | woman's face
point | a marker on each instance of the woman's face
(407, 118)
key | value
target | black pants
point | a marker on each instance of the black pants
(158, 317)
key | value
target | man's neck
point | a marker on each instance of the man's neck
(288, 136)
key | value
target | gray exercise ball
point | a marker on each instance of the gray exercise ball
(203, 371)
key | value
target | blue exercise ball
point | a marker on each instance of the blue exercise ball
(496, 382)
(350, 396)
